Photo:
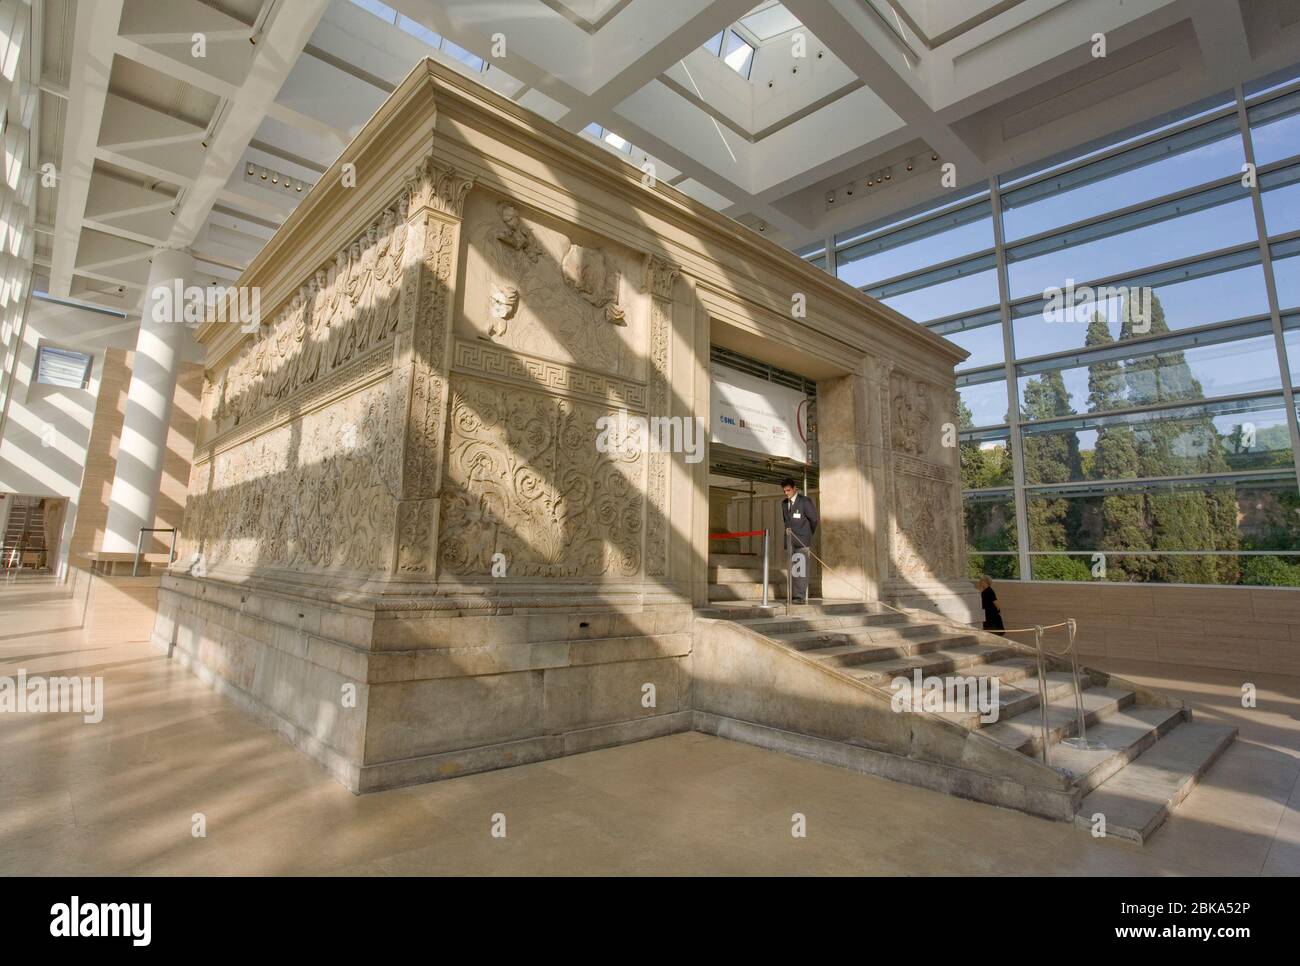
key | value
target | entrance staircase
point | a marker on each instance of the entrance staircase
(737, 575)
(818, 681)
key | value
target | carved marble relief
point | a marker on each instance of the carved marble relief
(658, 279)
(923, 532)
(924, 494)
(524, 478)
(533, 289)
(911, 415)
(306, 495)
(348, 309)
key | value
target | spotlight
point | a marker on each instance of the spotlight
(888, 174)
(909, 164)
(934, 157)
(830, 197)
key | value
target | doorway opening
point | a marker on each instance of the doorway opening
(764, 431)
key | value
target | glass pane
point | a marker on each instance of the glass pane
(1184, 236)
(985, 463)
(917, 247)
(1198, 372)
(419, 30)
(62, 367)
(1286, 273)
(1193, 300)
(984, 345)
(1281, 204)
(982, 404)
(1275, 129)
(739, 55)
(952, 297)
(1183, 161)
(990, 520)
(1127, 523)
(1186, 441)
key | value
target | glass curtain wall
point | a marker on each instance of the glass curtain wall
(1132, 314)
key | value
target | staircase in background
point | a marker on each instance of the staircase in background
(1152, 752)
(24, 532)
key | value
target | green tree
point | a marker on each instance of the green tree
(1049, 458)
(1123, 522)
(1189, 519)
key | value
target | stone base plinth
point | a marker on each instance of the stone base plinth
(955, 599)
(390, 693)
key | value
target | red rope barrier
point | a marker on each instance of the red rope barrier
(725, 536)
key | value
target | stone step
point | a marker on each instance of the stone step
(1023, 732)
(779, 625)
(740, 611)
(743, 560)
(746, 591)
(953, 658)
(885, 648)
(1122, 736)
(1017, 691)
(1138, 798)
(739, 575)
(897, 634)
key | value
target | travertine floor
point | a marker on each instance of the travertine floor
(121, 796)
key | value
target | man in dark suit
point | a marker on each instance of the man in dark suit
(800, 515)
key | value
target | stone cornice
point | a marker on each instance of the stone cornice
(402, 133)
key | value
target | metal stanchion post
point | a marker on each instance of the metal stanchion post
(1042, 689)
(765, 567)
(1081, 739)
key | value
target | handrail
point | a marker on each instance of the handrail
(139, 543)
(1037, 630)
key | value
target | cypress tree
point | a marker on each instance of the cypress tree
(1124, 523)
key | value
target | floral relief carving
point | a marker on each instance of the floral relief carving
(524, 478)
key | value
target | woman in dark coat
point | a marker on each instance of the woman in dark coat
(992, 609)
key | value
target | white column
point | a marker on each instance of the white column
(148, 403)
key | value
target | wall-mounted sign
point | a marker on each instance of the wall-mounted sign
(756, 415)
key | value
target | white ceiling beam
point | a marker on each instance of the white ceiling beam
(625, 76)
(842, 35)
(92, 61)
(1221, 34)
(283, 37)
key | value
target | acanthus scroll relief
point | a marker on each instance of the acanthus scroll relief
(525, 478)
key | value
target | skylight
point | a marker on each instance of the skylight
(740, 55)
(615, 141)
(769, 21)
(738, 45)
(475, 63)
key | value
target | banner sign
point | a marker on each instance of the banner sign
(756, 415)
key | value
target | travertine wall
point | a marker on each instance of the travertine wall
(1239, 628)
